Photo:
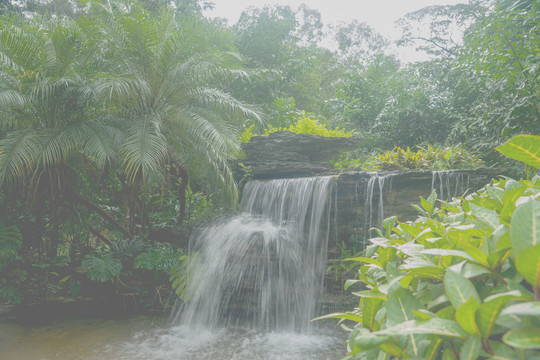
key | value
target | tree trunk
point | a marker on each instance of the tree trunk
(180, 171)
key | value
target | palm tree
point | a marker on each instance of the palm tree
(49, 127)
(166, 88)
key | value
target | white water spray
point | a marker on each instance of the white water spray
(264, 268)
(381, 181)
(450, 183)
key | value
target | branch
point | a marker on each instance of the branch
(100, 236)
(105, 215)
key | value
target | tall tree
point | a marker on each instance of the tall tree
(165, 87)
(48, 115)
(497, 92)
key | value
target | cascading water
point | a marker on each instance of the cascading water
(380, 181)
(450, 183)
(264, 268)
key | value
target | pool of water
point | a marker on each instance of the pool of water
(154, 338)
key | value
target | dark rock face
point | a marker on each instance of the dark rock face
(362, 200)
(284, 154)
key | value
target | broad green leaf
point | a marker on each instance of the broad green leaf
(460, 237)
(509, 203)
(406, 280)
(365, 340)
(386, 256)
(388, 224)
(432, 198)
(498, 257)
(420, 210)
(486, 217)
(531, 308)
(411, 230)
(433, 326)
(427, 206)
(524, 148)
(432, 350)
(448, 354)
(369, 310)
(447, 313)
(470, 350)
(429, 272)
(478, 255)
(523, 338)
(495, 193)
(487, 314)
(390, 347)
(525, 225)
(459, 289)
(399, 306)
(370, 294)
(347, 316)
(366, 260)
(448, 252)
(465, 316)
(423, 314)
(528, 265)
(349, 283)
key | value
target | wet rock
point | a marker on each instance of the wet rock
(284, 154)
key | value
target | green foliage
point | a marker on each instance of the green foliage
(497, 78)
(10, 244)
(462, 280)
(181, 274)
(160, 257)
(128, 247)
(305, 124)
(426, 158)
(10, 277)
(524, 148)
(102, 268)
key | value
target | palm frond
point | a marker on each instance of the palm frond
(144, 149)
(121, 87)
(223, 102)
(18, 155)
(11, 98)
(58, 145)
(100, 142)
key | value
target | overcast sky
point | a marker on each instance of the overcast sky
(379, 14)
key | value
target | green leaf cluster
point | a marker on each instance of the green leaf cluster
(404, 159)
(426, 158)
(460, 282)
(10, 244)
(102, 268)
(306, 124)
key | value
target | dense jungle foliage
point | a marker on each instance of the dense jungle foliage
(121, 119)
(462, 281)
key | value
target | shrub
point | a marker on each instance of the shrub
(305, 124)
(427, 158)
(10, 276)
(460, 282)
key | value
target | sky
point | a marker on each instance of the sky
(379, 14)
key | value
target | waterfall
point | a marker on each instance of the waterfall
(451, 183)
(263, 268)
(380, 181)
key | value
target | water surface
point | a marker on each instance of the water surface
(154, 338)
